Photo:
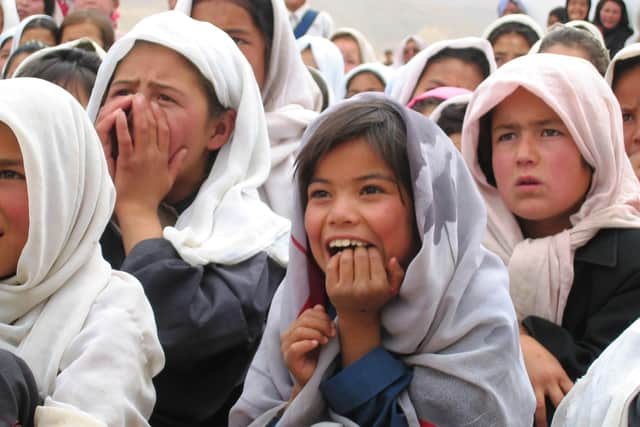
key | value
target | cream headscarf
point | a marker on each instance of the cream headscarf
(61, 270)
(452, 321)
(517, 18)
(328, 58)
(15, 43)
(291, 101)
(10, 14)
(405, 80)
(541, 270)
(367, 53)
(226, 223)
(379, 70)
(631, 51)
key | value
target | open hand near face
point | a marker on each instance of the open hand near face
(547, 376)
(300, 344)
(143, 171)
(358, 282)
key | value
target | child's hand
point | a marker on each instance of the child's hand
(105, 126)
(301, 342)
(357, 281)
(547, 376)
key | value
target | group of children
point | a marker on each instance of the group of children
(219, 239)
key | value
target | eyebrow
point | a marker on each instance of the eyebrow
(10, 162)
(156, 85)
(537, 123)
(359, 178)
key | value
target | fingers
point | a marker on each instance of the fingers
(361, 265)
(540, 416)
(123, 137)
(345, 266)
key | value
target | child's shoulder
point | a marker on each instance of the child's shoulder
(613, 247)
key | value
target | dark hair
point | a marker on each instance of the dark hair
(451, 118)
(566, 8)
(622, 67)
(422, 105)
(261, 12)
(375, 120)
(49, 7)
(46, 23)
(578, 39)
(65, 67)
(485, 150)
(469, 55)
(29, 47)
(514, 27)
(624, 17)
(560, 13)
(98, 20)
(322, 85)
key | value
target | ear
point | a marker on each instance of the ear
(221, 130)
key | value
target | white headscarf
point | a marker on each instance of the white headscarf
(631, 51)
(329, 60)
(454, 100)
(517, 18)
(226, 223)
(406, 78)
(398, 53)
(381, 71)
(83, 43)
(15, 43)
(291, 101)
(367, 53)
(602, 397)
(10, 13)
(61, 270)
(452, 321)
(596, 128)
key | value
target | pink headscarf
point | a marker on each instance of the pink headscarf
(612, 201)
(443, 92)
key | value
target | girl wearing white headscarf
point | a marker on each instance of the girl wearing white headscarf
(208, 251)
(10, 16)
(290, 97)
(409, 47)
(355, 47)
(448, 333)
(512, 36)
(375, 79)
(424, 72)
(328, 60)
(574, 275)
(5, 46)
(623, 75)
(35, 21)
(87, 332)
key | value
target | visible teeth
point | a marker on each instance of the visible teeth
(345, 243)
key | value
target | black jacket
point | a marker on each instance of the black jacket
(604, 301)
(210, 320)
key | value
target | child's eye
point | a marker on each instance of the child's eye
(371, 189)
(627, 117)
(551, 132)
(238, 41)
(510, 136)
(165, 98)
(9, 174)
(120, 92)
(318, 194)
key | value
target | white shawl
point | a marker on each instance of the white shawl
(15, 43)
(631, 51)
(404, 82)
(518, 18)
(329, 60)
(291, 101)
(381, 71)
(61, 270)
(398, 52)
(83, 43)
(541, 270)
(452, 322)
(226, 223)
(603, 396)
(367, 53)
(454, 100)
(10, 14)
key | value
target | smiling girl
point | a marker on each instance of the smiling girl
(563, 212)
(387, 281)
(612, 19)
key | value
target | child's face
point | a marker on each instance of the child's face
(40, 34)
(577, 9)
(450, 72)
(79, 30)
(627, 90)
(355, 198)
(540, 174)
(610, 15)
(167, 78)
(508, 47)
(350, 52)
(14, 204)
(29, 7)
(238, 24)
(364, 82)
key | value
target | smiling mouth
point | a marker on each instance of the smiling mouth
(336, 246)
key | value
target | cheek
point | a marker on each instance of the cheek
(313, 228)
(502, 167)
(255, 56)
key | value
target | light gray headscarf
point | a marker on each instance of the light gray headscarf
(452, 321)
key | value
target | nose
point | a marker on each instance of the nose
(343, 210)
(526, 151)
